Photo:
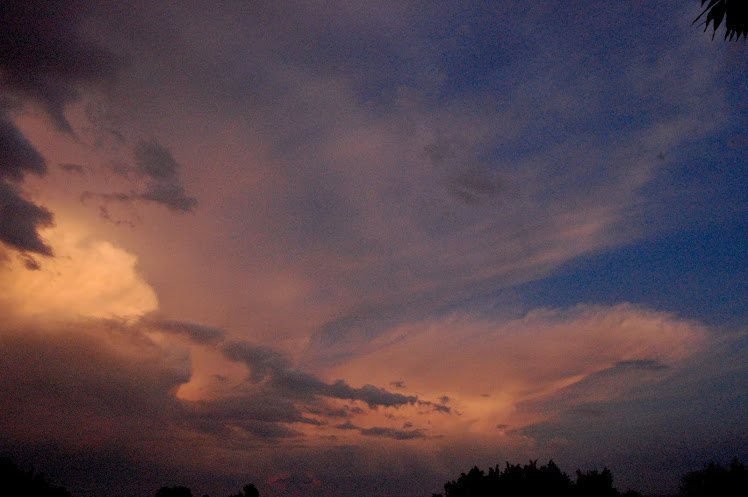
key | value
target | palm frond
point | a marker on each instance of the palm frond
(733, 12)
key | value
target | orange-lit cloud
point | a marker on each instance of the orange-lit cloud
(488, 369)
(86, 278)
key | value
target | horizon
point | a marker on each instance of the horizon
(327, 246)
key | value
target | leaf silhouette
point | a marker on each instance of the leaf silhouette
(733, 12)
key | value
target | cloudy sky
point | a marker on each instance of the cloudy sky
(347, 248)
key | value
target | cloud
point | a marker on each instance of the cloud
(384, 432)
(46, 60)
(267, 364)
(17, 155)
(196, 332)
(21, 220)
(262, 361)
(101, 371)
(155, 162)
(171, 196)
(161, 172)
(394, 434)
(320, 131)
(517, 371)
(89, 278)
(72, 168)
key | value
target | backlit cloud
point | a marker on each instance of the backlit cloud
(86, 278)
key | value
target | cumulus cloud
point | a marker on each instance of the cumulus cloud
(88, 278)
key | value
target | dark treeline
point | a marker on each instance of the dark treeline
(533, 481)
(529, 480)
(249, 490)
(15, 482)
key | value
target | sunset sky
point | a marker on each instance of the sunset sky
(348, 248)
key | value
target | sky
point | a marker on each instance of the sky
(343, 248)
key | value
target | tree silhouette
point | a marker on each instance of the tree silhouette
(174, 492)
(15, 482)
(249, 490)
(734, 13)
(595, 484)
(532, 481)
(716, 480)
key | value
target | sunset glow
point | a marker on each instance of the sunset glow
(353, 249)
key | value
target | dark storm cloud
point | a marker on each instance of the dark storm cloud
(17, 155)
(54, 380)
(347, 426)
(169, 195)
(392, 433)
(371, 395)
(304, 385)
(112, 373)
(262, 361)
(44, 58)
(263, 406)
(435, 407)
(156, 163)
(383, 432)
(124, 385)
(195, 332)
(31, 264)
(20, 220)
(267, 364)
(72, 168)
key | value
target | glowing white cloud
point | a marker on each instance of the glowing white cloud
(85, 278)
